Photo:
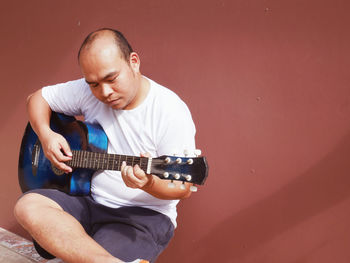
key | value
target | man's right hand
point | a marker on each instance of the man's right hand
(57, 150)
(55, 146)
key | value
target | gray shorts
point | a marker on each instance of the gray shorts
(128, 233)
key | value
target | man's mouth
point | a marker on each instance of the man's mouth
(113, 102)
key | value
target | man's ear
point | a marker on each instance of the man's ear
(135, 61)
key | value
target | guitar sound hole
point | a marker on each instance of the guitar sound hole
(56, 170)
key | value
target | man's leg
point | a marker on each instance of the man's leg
(131, 232)
(57, 231)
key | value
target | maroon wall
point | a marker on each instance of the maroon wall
(268, 85)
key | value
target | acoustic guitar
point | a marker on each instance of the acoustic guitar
(88, 143)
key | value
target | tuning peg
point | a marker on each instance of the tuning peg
(188, 177)
(167, 160)
(166, 175)
(183, 186)
(197, 152)
(190, 161)
(177, 176)
(171, 185)
(178, 160)
(193, 188)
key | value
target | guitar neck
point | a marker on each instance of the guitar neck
(107, 161)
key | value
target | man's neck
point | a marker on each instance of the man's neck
(142, 92)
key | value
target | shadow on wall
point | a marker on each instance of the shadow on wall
(320, 188)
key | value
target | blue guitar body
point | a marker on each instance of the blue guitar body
(35, 170)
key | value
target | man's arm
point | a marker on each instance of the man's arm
(55, 146)
(159, 188)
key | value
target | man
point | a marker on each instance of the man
(130, 215)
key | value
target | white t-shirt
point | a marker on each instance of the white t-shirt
(160, 125)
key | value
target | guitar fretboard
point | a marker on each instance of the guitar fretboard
(105, 161)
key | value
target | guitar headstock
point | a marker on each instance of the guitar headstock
(186, 169)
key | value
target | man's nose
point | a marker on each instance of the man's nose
(106, 90)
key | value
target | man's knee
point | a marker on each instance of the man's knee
(30, 206)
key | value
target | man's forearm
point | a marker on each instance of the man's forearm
(39, 113)
(159, 188)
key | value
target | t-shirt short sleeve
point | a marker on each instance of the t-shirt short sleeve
(177, 132)
(70, 103)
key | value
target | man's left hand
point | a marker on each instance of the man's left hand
(135, 177)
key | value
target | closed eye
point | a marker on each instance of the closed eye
(112, 80)
(93, 85)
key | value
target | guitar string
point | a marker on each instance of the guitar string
(94, 160)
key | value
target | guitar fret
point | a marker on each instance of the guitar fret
(103, 161)
(80, 163)
(97, 161)
(74, 159)
(91, 163)
(113, 162)
(75, 164)
(79, 159)
(86, 156)
(76, 156)
(107, 165)
(84, 159)
(94, 160)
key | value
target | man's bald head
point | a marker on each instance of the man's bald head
(107, 34)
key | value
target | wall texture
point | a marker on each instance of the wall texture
(267, 82)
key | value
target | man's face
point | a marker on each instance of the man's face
(112, 80)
